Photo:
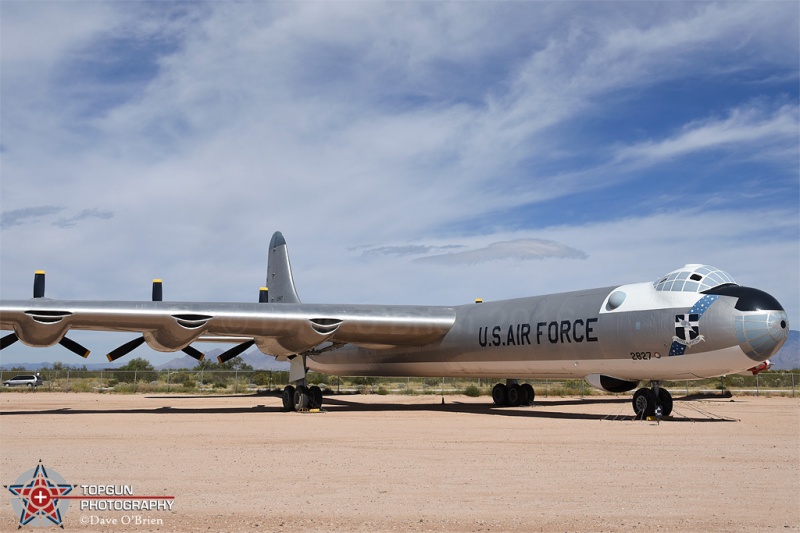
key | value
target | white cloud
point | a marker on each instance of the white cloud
(349, 123)
(517, 250)
(750, 126)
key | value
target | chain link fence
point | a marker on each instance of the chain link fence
(260, 381)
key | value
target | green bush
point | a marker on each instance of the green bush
(261, 379)
(472, 391)
(433, 382)
(80, 385)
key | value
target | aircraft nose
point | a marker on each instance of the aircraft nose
(762, 333)
(761, 324)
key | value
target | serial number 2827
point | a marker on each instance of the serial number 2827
(644, 356)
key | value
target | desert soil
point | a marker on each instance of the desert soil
(408, 463)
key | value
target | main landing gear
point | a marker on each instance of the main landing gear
(301, 398)
(648, 402)
(512, 394)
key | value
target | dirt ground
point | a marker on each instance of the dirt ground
(408, 463)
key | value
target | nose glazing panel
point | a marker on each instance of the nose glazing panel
(761, 334)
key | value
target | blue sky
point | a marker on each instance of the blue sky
(616, 141)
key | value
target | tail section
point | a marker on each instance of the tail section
(279, 272)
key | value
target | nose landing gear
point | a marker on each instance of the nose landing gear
(647, 402)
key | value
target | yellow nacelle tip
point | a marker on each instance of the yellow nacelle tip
(157, 281)
(478, 300)
(39, 272)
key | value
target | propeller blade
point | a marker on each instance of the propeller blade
(38, 284)
(74, 347)
(224, 357)
(194, 352)
(8, 340)
(158, 290)
(125, 349)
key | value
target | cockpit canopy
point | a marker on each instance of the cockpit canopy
(693, 278)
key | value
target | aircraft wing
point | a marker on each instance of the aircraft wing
(277, 329)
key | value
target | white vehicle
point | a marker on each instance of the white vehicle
(28, 380)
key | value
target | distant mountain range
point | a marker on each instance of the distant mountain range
(787, 358)
(254, 358)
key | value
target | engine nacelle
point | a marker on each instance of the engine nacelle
(177, 335)
(609, 384)
(40, 329)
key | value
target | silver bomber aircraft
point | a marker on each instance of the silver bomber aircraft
(693, 323)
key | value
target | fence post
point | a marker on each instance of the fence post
(793, 385)
(68, 380)
(201, 378)
(135, 372)
(582, 382)
(756, 384)
(168, 379)
(547, 388)
(236, 381)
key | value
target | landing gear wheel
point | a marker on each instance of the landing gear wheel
(665, 399)
(515, 395)
(644, 403)
(301, 398)
(499, 394)
(288, 398)
(316, 397)
(527, 388)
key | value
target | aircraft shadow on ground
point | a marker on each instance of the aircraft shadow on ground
(339, 404)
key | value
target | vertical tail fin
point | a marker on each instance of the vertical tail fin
(279, 272)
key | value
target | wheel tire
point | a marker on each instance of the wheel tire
(316, 396)
(500, 395)
(301, 399)
(644, 403)
(527, 388)
(30, 385)
(515, 395)
(288, 398)
(665, 399)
